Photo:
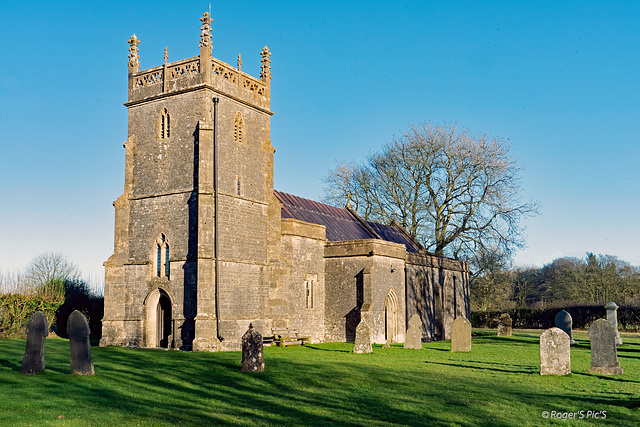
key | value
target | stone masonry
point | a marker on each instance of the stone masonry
(202, 248)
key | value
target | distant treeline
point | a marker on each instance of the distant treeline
(565, 282)
(582, 317)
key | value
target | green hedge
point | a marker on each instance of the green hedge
(15, 310)
(582, 317)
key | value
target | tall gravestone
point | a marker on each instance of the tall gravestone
(363, 338)
(79, 331)
(252, 355)
(612, 317)
(504, 327)
(604, 356)
(37, 331)
(461, 335)
(413, 338)
(555, 352)
(565, 322)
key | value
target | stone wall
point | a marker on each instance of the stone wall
(272, 272)
(301, 299)
(358, 277)
(437, 289)
(169, 194)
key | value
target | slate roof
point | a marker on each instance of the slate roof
(340, 223)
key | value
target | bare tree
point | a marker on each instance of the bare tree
(456, 193)
(50, 267)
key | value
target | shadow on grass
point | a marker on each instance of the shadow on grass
(616, 378)
(312, 347)
(301, 386)
(15, 367)
(492, 367)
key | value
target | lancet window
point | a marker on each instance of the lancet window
(162, 264)
(309, 290)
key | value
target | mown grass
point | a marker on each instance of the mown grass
(497, 384)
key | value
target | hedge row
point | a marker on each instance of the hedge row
(582, 317)
(15, 310)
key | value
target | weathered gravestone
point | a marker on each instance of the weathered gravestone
(413, 338)
(604, 356)
(612, 317)
(37, 331)
(386, 345)
(78, 330)
(565, 322)
(252, 358)
(555, 352)
(504, 327)
(461, 335)
(363, 338)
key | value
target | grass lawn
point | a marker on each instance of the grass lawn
(497, 384)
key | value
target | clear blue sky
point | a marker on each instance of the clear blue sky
(558, 79)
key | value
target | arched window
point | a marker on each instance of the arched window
(165, 125)
(238, 125)
(162, 264)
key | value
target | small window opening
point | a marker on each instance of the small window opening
(238, 187)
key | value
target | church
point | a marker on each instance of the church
(204, 245)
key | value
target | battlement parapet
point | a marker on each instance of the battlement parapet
(188, 74)
(199, 72)
(238, 84)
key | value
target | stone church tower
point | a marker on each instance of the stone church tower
(204, 245)
(198, 149)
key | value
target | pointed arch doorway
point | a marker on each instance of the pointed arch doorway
(163, 319)
(159, 319)
(391, 317)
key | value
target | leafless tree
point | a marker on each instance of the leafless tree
(456, 193)
(49, 267)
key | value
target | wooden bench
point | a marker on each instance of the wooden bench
(289, 336)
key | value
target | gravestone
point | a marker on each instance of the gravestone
(604, 356)
(37, 331)
(363, 338)
(461, 335)
(504, 327)
(565, 322)
(612, 317)
(78, 330)
(413, 338)
(386, 345)
(555, 352)
(252, 358)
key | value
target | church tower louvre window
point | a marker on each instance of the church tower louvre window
(238, 128)
(165, 125)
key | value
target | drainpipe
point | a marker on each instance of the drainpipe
(216, 248)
